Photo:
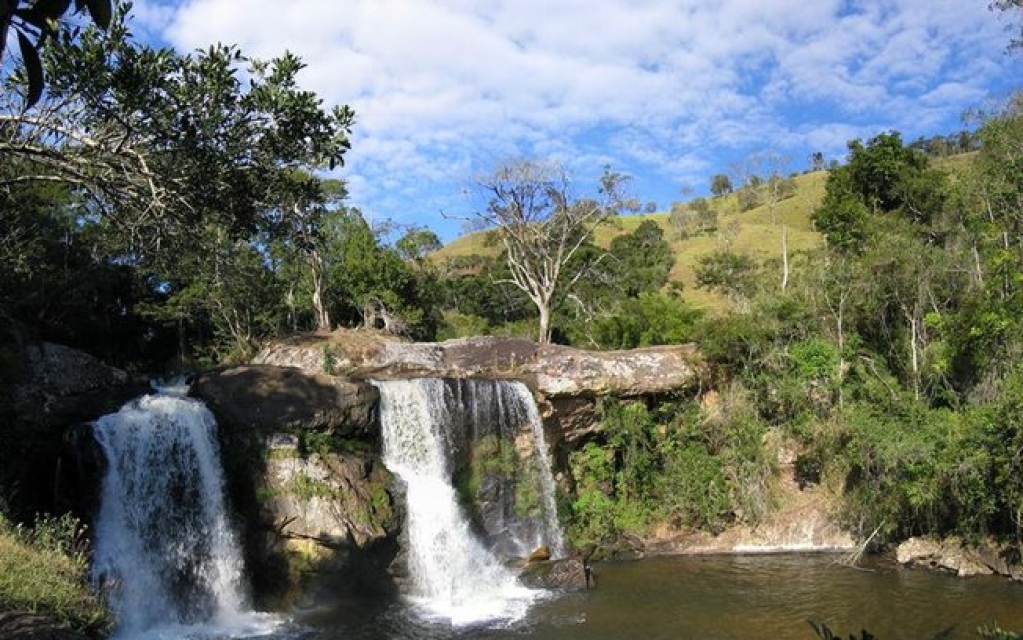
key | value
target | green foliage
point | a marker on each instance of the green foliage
(641, 259)
(693, 487)
(728, 272)
(814, 358)
(649, 319)
(461, 325)
(668, 464)
(326, 442)
(995, 632)
(44, 569)
(881, 177)
(306, 488)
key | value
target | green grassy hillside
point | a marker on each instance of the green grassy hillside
(750, 232)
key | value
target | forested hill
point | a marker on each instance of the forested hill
(696, 229)
(746, 222)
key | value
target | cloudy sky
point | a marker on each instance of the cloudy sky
(668, 92)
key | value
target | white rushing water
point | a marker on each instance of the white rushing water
(553, 535)
(165, 552)
(454, 577)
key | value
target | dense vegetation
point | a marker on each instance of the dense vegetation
(888, 356)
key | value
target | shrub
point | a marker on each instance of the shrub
(44, 570)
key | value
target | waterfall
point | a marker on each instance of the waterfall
(426, 424)
(551, 527)
(165, 552)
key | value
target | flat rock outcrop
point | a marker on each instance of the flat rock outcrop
(552, 370)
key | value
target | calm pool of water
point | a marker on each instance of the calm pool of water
(754, 596)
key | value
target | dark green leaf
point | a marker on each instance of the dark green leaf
(101, 12)
(52, 9)
(32, 17)
(33, 68)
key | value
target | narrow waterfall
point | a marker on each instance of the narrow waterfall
(553, 535)
(164, 550)
(498, 419)
(427, 424)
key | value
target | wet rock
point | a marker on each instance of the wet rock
(265, 397)
(20, 625)
(569, 574)
(543, 552)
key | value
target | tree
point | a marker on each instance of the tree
(1014, 7)
(417, 243)
(186, 172)
(40, 21)
(817, 161)
(733, 274)
(882, 178)
(160, 144)
(720, 184)
(368, 281)
(642, 259)
(542, 227)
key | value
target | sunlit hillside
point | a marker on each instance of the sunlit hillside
(752, 232)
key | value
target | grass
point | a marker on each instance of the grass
(45, 571)
(752, 232)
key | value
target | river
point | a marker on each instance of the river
(721, 597)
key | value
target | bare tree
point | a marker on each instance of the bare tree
(542, 227)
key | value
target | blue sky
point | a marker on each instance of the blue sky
(667, 92)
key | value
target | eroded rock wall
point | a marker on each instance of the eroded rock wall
(302, 457)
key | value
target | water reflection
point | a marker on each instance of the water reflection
(721, 597)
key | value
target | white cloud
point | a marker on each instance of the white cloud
(667, 91)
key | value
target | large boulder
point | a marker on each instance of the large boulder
(565, 574)
(272, 398)
(53, 391)
(331, 523)
(59, 386)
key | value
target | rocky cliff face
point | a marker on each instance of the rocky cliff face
(565, 380)
(320, 493)
(53, 389)
(301, 451)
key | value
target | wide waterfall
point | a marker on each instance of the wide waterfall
(430, 425)
(165, 552)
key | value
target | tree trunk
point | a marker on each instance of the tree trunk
(545, 322)
(319, 308)
(784, 257)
